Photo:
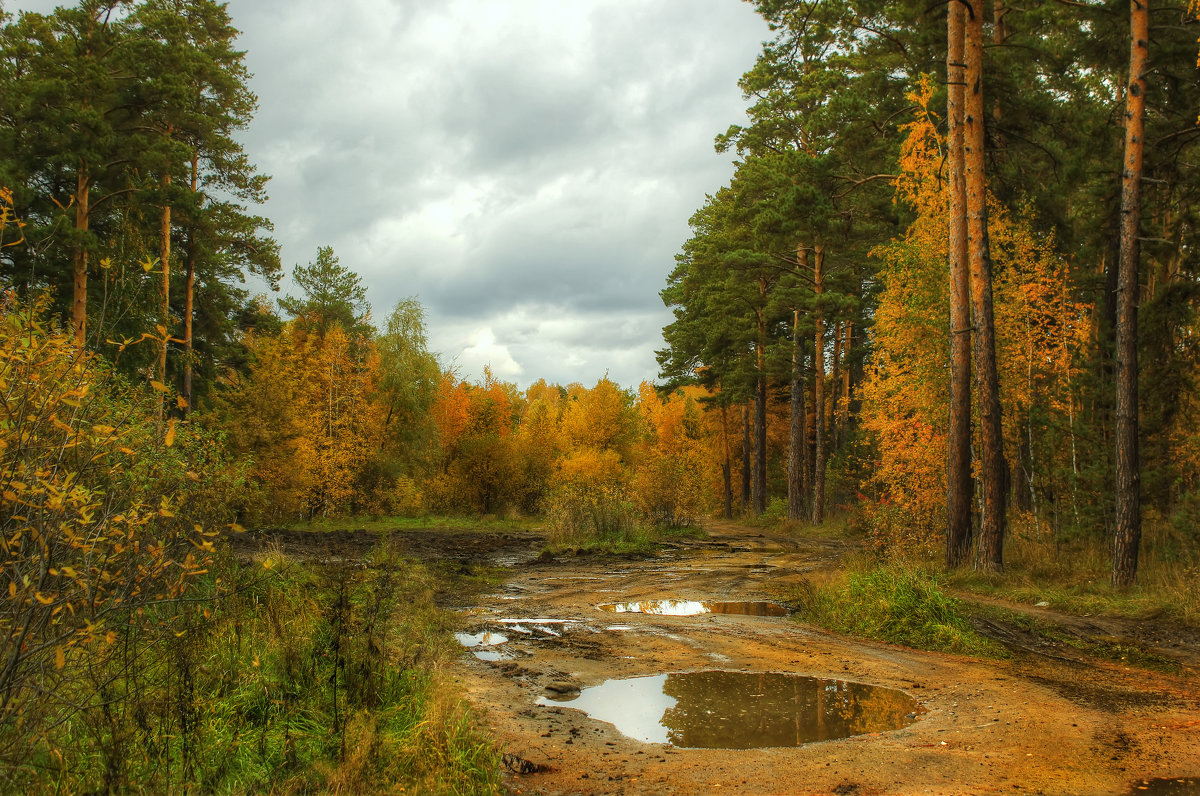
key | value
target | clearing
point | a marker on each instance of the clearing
(1063, 715)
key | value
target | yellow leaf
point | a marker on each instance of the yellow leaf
(12, 588)
(147, 264)
(169, 440)
(181, 402)
(60, 658)
(256, 662)
(158, 386)
(43, 599)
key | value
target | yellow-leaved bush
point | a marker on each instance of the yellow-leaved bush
(107, 519)
(1041, 331)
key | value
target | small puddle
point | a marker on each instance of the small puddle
(485, 639)
(1168, 786)
(695, 608)
(742, 710)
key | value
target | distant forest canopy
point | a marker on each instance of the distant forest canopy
(939, 200)
(809, 366)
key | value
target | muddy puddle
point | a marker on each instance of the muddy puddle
(696, 608)
(1167, 786)
(740, 710)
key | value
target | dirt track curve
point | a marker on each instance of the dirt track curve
(1050, 720)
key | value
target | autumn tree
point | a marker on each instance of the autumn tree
(1128, 533)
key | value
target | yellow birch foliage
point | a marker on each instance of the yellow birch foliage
(1041, 330)
(675, 465)
(310, 415)
(90, 540)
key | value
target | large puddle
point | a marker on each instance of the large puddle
(695, 608)
(1159, 787)
(741, 710)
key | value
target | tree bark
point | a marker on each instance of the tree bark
(797, 441)
(992, 466)
(818, 477)
(726, 464)
(960, 486)
(835, 384)
(189, 302)
(79, 265)
(164, 245)
(760, 405)
(746, 457)
(1129, 519)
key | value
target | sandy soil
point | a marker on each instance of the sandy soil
(1050, 720)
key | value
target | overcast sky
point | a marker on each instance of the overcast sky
(526, 168)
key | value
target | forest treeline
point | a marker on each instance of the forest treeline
(957, 240)
(935, 201)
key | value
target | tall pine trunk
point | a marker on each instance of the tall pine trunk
(797, 439)
(818, 476)
(189, 301)
(746, 456)
(960, 486)
(1129, 519)
(992, 465)
(79, 264)
(760, 405)
(164, 244)
(726, 464)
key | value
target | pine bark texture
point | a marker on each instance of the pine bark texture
(164, 243)
(1129, 522)
(760, 405)
(79, 267)
(819, 456)
(746, 457)
(189, 301)
(960, 486)
(797, 439)
(992, 467)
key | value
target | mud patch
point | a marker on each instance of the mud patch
(695, 608)
(741, 710)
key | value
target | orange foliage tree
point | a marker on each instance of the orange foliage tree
(676, 467)
(1041, 333)
(311, 417)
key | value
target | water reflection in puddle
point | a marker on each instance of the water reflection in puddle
(695, 607)
(1178, 785)
(485, 639)
(491, 655)
(740, 710)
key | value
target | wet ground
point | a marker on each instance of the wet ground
(1053, 719)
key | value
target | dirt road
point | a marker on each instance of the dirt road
(1047, 721)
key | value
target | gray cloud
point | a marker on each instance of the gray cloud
(525, 167)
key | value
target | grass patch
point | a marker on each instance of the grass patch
(288, 678)
(636, 540)
(628, 542)
(1116, 650)
(893, 603)
(1073, 576)
(465, 522)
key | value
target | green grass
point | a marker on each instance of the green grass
(466, 522)
(1116, 650)
(295, 679)
(1074, 577)
(892, 603)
